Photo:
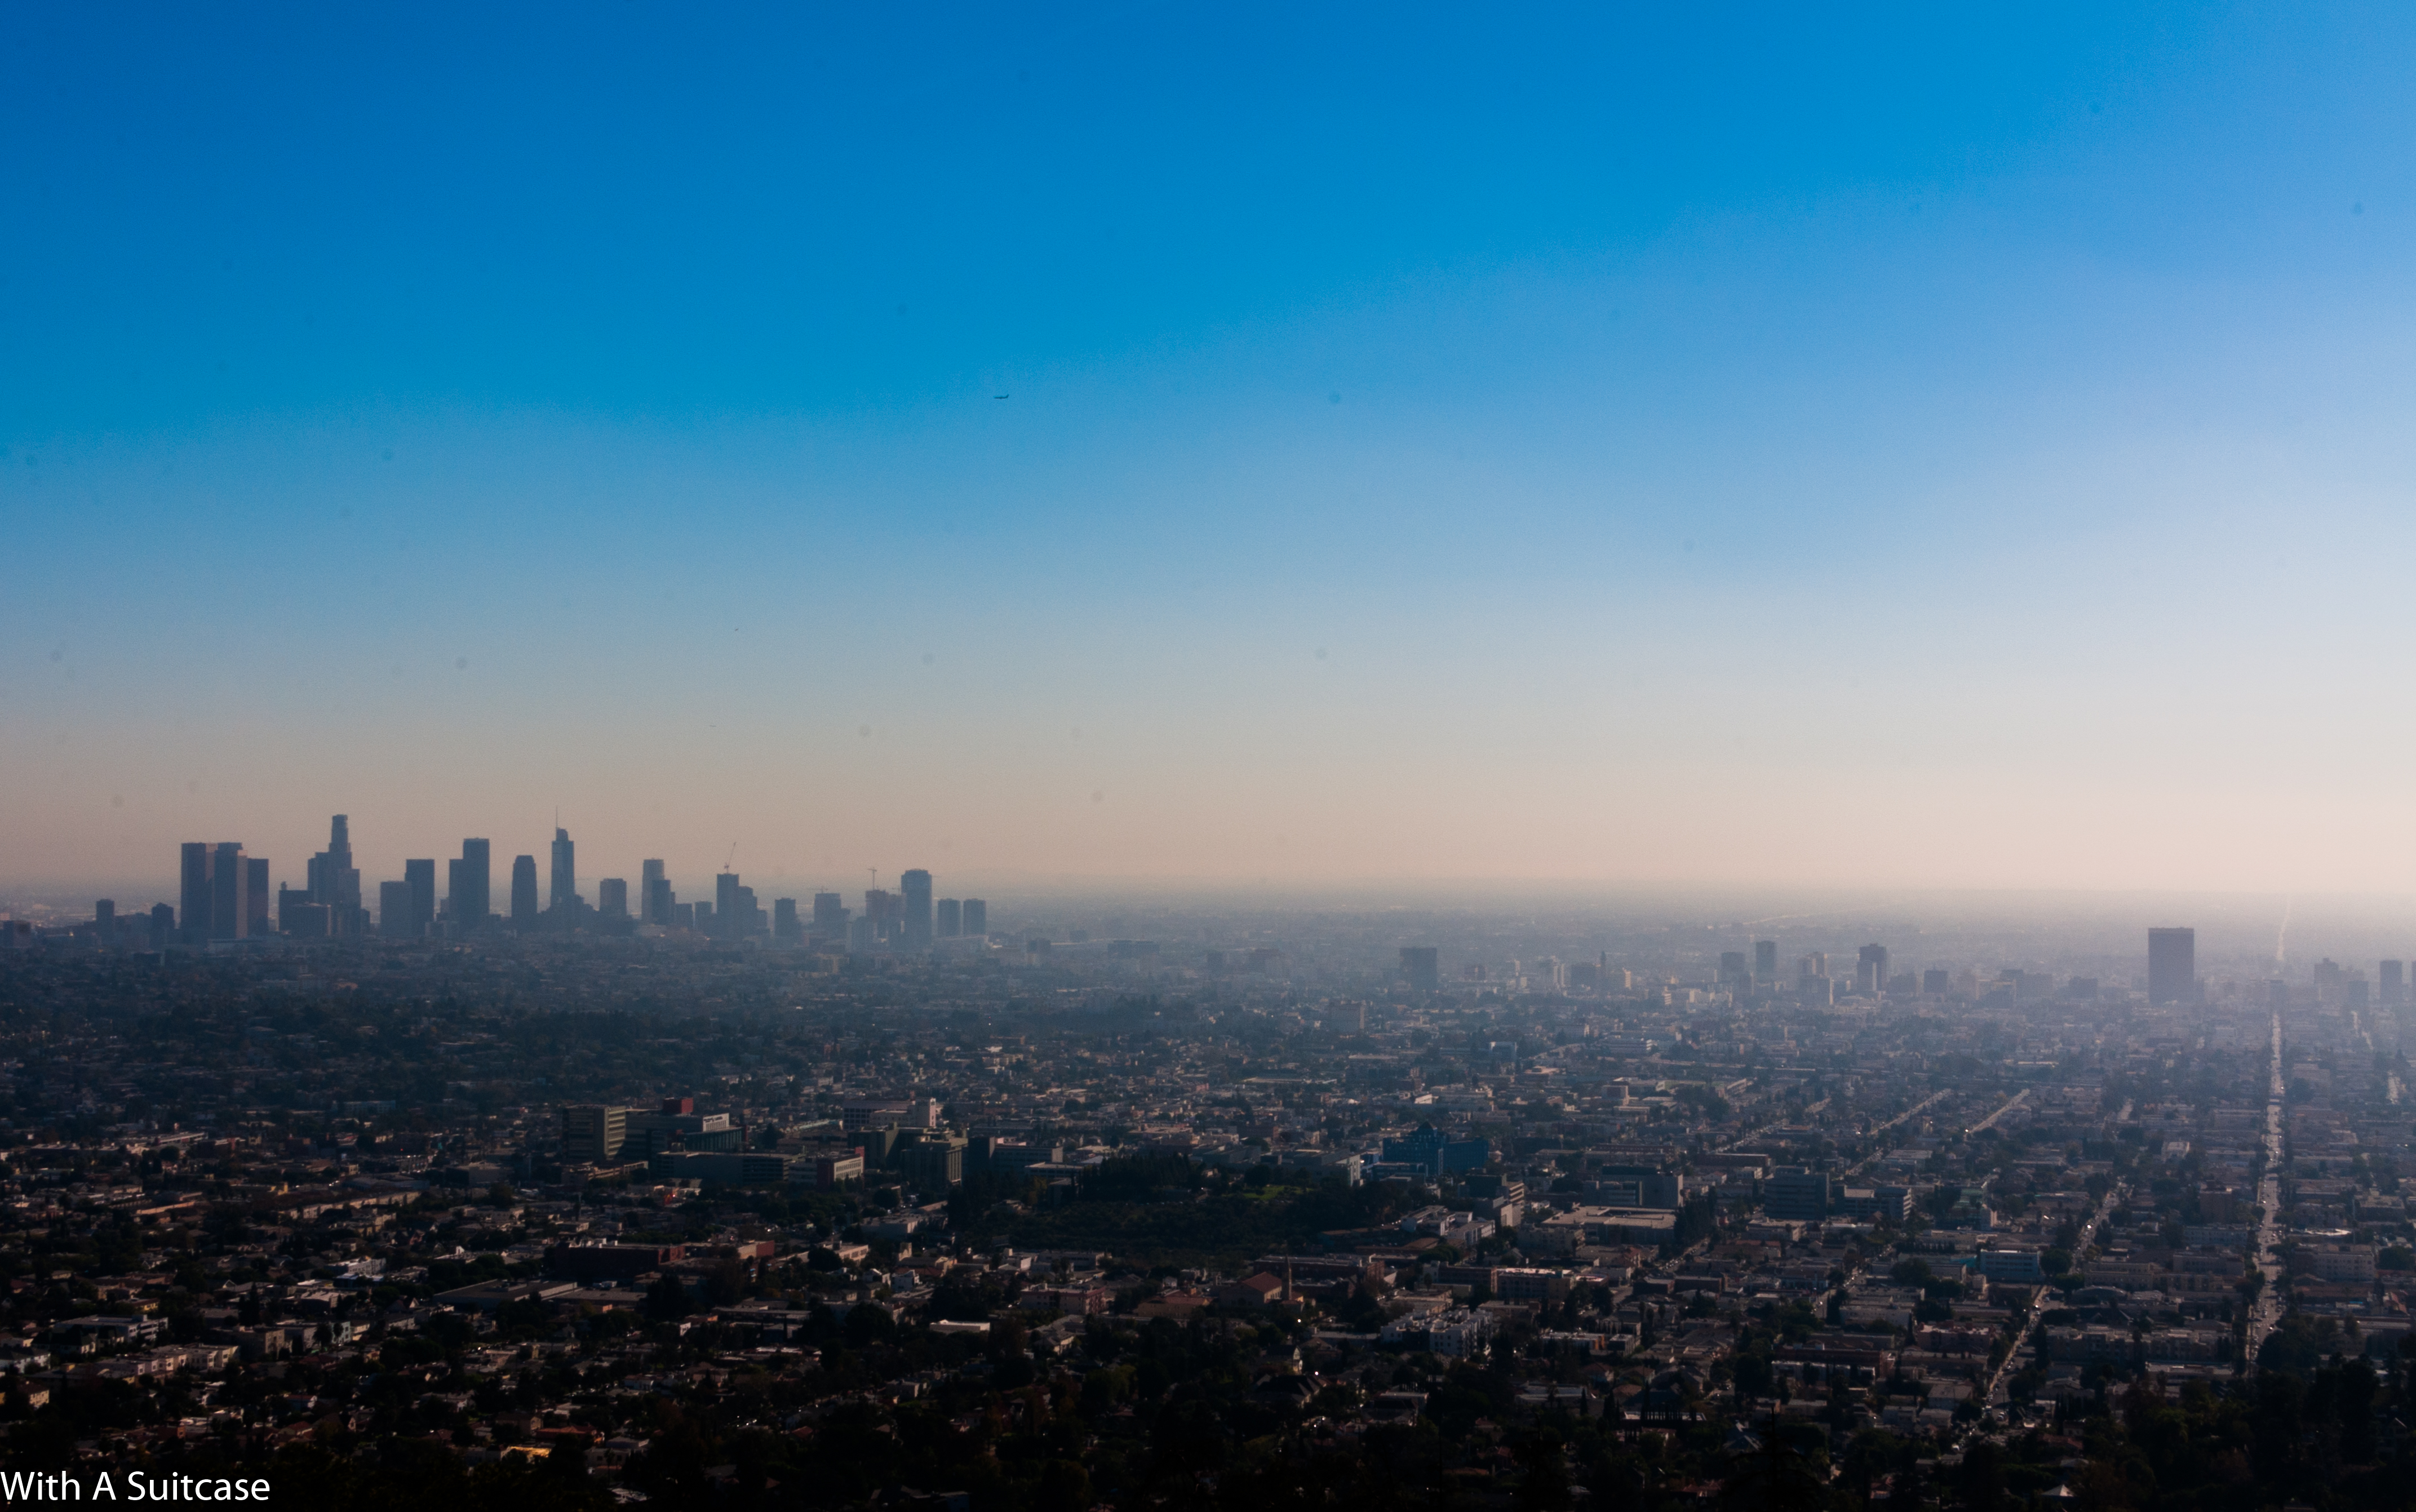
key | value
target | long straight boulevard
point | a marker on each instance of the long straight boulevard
(2268, 1251)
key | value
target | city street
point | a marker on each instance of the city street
(2268, 1310)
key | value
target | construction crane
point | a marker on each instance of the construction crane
(734, 856)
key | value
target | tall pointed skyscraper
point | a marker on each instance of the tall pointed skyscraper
(562, 896)
(330, 878)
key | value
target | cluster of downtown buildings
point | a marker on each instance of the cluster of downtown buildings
(224, 896)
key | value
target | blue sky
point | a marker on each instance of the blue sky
(1731, 444)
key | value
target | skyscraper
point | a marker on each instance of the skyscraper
(228, 910)
(194, 889)
(830, 916)
(653, 894)
(524, 912)
(949, 918)
(882, 913)
(420, 877)
(255, 896)
(562, 896)
(915, 887)
(2173, 965)
(784, 920)
(2394, 984)
(472, 890)
(978, 918)
(291, 902)
(332, 880)
(396, 918)
(1419, 964)
(1765, 960)
(1871, 971)
(726, 922)
(612, 898)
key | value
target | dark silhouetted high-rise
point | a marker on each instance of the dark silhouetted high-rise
(2173, 965)
(562, 895)
(524, 911)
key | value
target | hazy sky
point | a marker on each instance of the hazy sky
(1861, 446)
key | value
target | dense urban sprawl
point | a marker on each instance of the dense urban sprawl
(1262, 1211)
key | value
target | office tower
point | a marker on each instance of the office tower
(472, 890)
(659, 901)
(290, 903)
(255, 896)
(396, 918)
(307, 920)
(949, 919)
(863, 936)
(2173, 965)
(523, 892)
(1418, 963)
(163, 926)
(735, 915)
(562, 895)
(612, 898)
(880, 911)
(1812, 964)
(1765, 960)
(1733, 974)
(684, 914)
(593, 1133)
(104, 923)
(650, 879)
(703, 915)
(332, 880)
(914, 898)
(2394, 984)
(1936, 983)
(784, 920)
(420, 877)
(977, 918)
(830, 916)
(228, 910)
(1871, 971)
(194, 886)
